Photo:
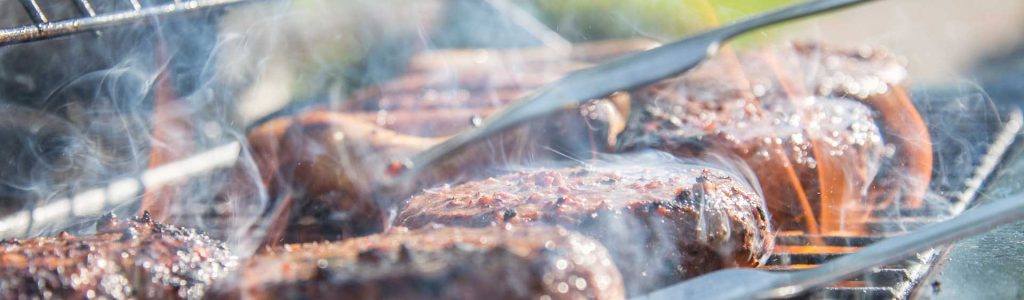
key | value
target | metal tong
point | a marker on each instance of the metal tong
(758, 284)
(621, 74)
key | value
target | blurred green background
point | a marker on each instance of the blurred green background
(349, 63)
(581, 20)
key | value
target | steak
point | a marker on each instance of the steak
(663, 219)
(481, 78)
(126, 259)
(827, 131)
(434, 263)
(320, 166)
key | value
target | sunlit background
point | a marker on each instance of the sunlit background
(944, 41)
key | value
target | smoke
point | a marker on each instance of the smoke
(660, 216)
(88, 115)
(84, 119)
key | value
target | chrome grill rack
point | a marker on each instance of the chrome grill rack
(905, 279)
(91, 18)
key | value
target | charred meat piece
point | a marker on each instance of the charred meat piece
(320, 166)
(663, 220)
(434, 263)
(126, 259)
(827, 131)
(320, 169)
(480, 78)
(444, 91)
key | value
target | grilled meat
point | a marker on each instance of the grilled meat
(443, 91)
(320, 166)
(434, 263)
(481, 78)
(814, 123)
(126, 259)
(663, 220)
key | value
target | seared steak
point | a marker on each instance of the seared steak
(321, 166)
(662, 219)
(434, 263)
(814, 123)
(126, 259)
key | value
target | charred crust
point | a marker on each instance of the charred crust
(129, 233)
(405, 254)
(108, 223)
(663, 202)
(683, 195)
(146, 218)
(130, 260)
(373, 255)
(509, 214)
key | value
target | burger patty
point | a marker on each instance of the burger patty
(662, 219)
(126, 259)
(434, 263)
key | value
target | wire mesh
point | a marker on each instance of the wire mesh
(89, 18)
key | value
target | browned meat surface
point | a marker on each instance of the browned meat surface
(473, 78)
(434, 263)
(827, 131)
(126, 259)
(320, 167)
(443, 91)
(663, 220)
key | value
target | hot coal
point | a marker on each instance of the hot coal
(126, 259)
(434, 263)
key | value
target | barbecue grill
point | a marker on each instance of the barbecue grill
(91, 18)
(959, 186)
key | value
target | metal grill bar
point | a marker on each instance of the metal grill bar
(135, 4)
(99, 201)
(44, 29)
(887, 282)
(34, 11)
(893, 281)
(86, 8)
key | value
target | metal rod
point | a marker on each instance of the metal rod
(99, 201)
(34, 11)
(66, 27)
(86, 8)
(990, 161)
(620, 74)
(971, 222)
(135, 4)
(976, 221)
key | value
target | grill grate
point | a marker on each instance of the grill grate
(91, 18)
(894, 281)
(898, 280)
